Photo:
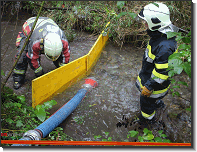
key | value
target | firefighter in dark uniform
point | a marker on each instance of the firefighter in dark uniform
(47, 38)
(152, 81)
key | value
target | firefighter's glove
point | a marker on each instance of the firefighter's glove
(145, 92)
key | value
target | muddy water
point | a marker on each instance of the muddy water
(115, 96)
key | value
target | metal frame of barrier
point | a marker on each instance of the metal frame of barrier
(58, 80)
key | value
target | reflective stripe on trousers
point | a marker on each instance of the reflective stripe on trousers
(148, 116)
(19, 71)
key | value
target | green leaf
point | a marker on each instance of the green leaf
(183, 83)
(158, 139)
(10, 121)
(183, 47)
(140, 139)
(176, 87)
(2, 73)
(48, 105)
(188, 109)
(189, 34)
(171, 73)
(148, 137)
(121, 14)
(99, 136)
(146, 131)
(18, 105)
(163, 135)
(120, 4)
(174, 62)
(40, 113)
(175, 56)
(109, 138)
(21, 98)
(24, 110)
(133, 15)
(166, 141)
(187, 68)
(104, 139)
(171, 34)
(160, 132)
(106, 133)
(176, 93)
(133, 133)
(178, 69)
(186, 40)
(19, 123)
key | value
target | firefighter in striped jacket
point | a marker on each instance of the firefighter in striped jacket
(152, 81)
(47, 38)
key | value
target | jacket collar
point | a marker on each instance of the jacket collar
(155, 34)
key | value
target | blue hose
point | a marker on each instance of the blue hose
(52, 122)
(60, 115)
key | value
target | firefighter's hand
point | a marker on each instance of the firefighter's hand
(146, 92)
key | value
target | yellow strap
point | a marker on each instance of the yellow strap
(152, 56)
(161, 66)
(161, 76)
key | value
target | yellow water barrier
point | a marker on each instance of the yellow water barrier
(58, 80)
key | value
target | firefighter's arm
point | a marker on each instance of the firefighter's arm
(35, 60)
(65, 52)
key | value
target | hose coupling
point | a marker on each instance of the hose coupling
(89, 84)
(33, 134)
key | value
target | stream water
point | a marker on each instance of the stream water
(115, 96)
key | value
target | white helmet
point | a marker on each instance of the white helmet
(157, 16)
(52, 46)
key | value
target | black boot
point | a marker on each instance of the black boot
(159, 104)
(17, 85)
(143, 120)
(18, 81)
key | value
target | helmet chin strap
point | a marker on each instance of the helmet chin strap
(169, 28)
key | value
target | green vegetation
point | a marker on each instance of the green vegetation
(180, 61)
(105, 138)
(17, 117)
(92, 16)
(148, 136)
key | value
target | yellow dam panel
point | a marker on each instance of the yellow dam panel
(49, 84)
(58, 80)
(96, 50)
